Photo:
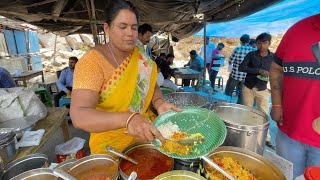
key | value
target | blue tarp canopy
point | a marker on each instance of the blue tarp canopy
(276, 19)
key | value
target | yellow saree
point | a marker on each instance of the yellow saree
(130, 89)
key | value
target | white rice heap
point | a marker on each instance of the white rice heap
(168, 129)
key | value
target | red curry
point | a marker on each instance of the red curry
(151, 163)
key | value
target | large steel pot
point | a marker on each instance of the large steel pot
(246, 127)
(24, 164)
(256, 164)
(95, 166)
(183, 99)
(137, 147)
(41, 173)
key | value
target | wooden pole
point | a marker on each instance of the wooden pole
(48, 17)
(55, 48)
(95, 31)
(27, 37)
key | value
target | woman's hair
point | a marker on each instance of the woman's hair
(113, 8)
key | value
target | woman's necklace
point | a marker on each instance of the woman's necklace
(114, 58)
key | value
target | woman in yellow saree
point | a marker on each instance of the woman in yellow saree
(114, 85)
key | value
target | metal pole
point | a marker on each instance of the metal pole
(205, 48)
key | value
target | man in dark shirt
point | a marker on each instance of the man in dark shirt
(254, 64)
(166, 70)
(257, 65)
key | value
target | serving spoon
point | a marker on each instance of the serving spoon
(115, 152)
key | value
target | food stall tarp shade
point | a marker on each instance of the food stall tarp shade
(276, 19)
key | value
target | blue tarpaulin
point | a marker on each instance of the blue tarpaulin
(276, 19)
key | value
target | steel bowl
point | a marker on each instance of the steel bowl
(94, 165)
(179, 174)
(260, 167)
(41, 173)
(29, 162)
(183, 99)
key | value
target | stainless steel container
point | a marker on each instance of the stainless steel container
(8, 148)
(183, 99)
(94, 166)
(246, 127)
(24, 164)
(256, 164)
(41, 173)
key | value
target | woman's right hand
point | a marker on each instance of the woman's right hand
(142, 128)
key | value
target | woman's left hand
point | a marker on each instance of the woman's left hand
(164, 107)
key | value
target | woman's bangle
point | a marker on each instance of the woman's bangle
(154, 103)
(129, 119)
(157, 100)
(277, 105)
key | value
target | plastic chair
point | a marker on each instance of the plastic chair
(51, 88)
(44, 96)
(64, 101)
(220, 82)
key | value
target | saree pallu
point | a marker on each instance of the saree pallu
(130, 89)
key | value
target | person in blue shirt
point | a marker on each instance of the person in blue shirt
(65, 81)
(6, 80)
(195, 63)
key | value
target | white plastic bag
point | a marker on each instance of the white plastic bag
(31, 138)
(20, 102)
(70, 147)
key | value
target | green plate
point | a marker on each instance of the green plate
(262, 78)
(195, 120)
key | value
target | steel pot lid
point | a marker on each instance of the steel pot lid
(94, 165)
(21, 165)
(241, 117)
(41, 173)
(179, 174)
(19, 123)
(184, 99)
(5, 136)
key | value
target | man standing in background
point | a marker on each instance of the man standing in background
(210, 46)
(236, 77)
(216, 62)
(144, 35)
(257, 64)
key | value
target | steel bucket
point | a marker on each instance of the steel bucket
(247, 128)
